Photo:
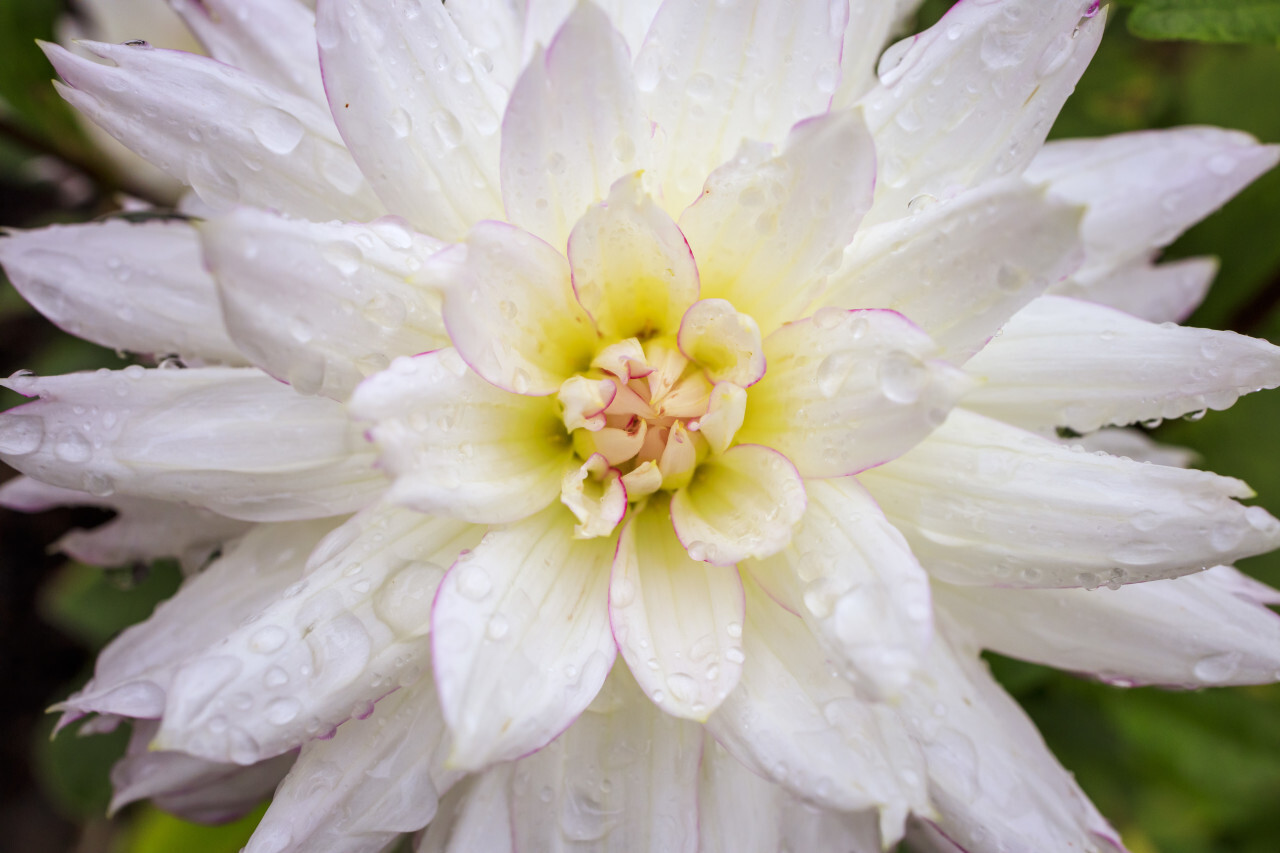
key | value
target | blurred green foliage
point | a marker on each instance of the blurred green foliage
(1176, 772)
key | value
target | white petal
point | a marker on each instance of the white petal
(475, 816)
(723, 342)
(961, 267)
(742, 503)
(522, 640)
(848, 390)
(794, 721)
(230, 136)
(985, 503)
(1064, 362)
(132, 286)
(457, 445)
(323, 306)
(632, 269)
(1195, 631)
(862, 591)
(767, 228)
(678, 623)
(271, 39)
(512, 313)
(631, 18)
(352, 630)
(871, 24)
(231, 440)
(1136, 445)
(374, 779)
(493, 29)
(191, 788)
(991, 780)
(712, 75)
(142, 531)
(973, 97)
(1161, 293)
(740, 812)
(133, 673)
(622, 779)
(1144, 189)
(573, 126)
(417, 109)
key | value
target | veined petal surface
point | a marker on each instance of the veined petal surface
(985, 503)
(712, 75)
(232, 137)
(573, 127)
(972, 98)
(677, 622)
(522, 641)
(767, 227)
(458, 446)
(195, 436)
(848, 390)
(1064, 362)
(1195, 631)
(416, 107)
(321, 306)
(136, 286)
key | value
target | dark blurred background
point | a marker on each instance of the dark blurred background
(1175, 772)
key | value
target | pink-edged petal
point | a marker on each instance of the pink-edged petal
(796, 722)
(274, 40)
(768, 228)
(992, 782)
(985, 503)
(522, 640)
(474, 816)
(724, 343)
(232, 440)
(543, 18)
(134, 672)
(1065, 362)
(1161, 293)
(512, 313)
(573, 127)
(191, 788)
(848, 390)
(1195, 631)
(457, 445)
(632, 269)
(232, 137)
(377, 777)
(132, 286)
(143, 530)
(740, 812)
(1144, 189)
(321, 306)
(416, 107)
(743, 503)
(961, 267)
(352, 630)
(713, 74)
(938, 132)
(859, 587)
(623, 778)
(678, 622)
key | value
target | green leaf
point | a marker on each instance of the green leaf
(93, 605)
(154, 831)
(1235, 21)
(73, 770)
(25, 73)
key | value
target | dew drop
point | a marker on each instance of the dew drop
(279, 132)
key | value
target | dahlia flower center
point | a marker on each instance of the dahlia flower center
(647, 413)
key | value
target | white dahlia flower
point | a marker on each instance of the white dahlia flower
(521, 336)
